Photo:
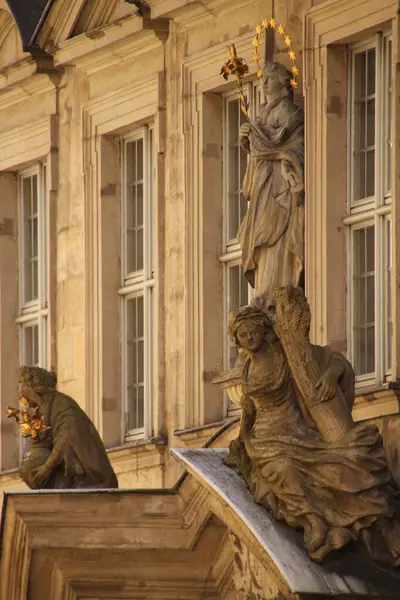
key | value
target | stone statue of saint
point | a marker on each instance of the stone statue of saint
(330, 481)
(271, 235)
(66, 450)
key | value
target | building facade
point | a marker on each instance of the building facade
(120, 200)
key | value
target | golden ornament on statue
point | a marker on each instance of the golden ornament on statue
(238, 66)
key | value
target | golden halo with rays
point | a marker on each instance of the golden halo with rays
(260, 29)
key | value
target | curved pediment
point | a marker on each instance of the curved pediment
(71, 18)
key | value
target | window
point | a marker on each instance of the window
(237, 292)
(137, 281)
(369, 210)
(32, 320)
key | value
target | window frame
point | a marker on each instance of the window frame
(139, 283)
(34, 312)
(375, 209)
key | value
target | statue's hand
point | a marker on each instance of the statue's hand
(245, 130)
(41, 475)
(326, 386)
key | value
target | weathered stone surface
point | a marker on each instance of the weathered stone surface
(350, 575)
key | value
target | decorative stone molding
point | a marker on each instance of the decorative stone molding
(252, 579)
(24, 144)
(376, 404)
(95, 14)
(190, 10)
(124, 40)
(17, 84)
(59, 22)
(94, 547)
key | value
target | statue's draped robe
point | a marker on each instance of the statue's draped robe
(85, 462)
(294, 473)
(272, 233)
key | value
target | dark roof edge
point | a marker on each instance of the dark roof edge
(30, 22)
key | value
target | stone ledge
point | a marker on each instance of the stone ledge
(375, 403)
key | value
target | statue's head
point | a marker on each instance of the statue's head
(276, 79)
(36, 383)
(250, 328)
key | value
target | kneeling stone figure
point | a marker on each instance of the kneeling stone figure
(66, 450)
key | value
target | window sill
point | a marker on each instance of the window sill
(374, 402)
(366, 390)
(146, 453)
(154, 442)
(9, 472)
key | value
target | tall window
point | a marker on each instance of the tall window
(137, 280)
(237, 292)
(32, 320)
(369, 211)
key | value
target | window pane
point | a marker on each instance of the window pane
(135, 363)
(30, 241)
(30, 343)
(388, 296)
(363, 125)
(134, 198)
(363, 313)
(388, 104)
(359, 176)
(371, 122)
(359, 127)
(359, 75)
(371, 72)
(370, 168)
(235, 169)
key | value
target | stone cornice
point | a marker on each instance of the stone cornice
(25, 143)
(17, 72)
(324, 21)
(186, 10)
(107, 45)
(25, 88)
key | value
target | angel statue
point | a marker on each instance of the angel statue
(298, 450)
(271, 234)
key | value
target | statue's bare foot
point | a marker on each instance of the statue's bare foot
(315, 532)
